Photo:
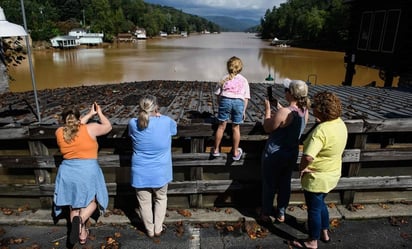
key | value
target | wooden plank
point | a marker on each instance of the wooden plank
(386, 155)
(221, 186)
(183, 159)
(14, 133)
(199, 159)
(354, 167)
(42, 176)
(249, 131)
(390, 125)
(196, 173)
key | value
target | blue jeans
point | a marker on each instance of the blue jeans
(276, 177)
(231, 108)
(318, 214)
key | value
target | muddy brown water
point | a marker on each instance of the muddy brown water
(195, 58)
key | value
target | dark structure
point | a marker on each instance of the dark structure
(380, 36)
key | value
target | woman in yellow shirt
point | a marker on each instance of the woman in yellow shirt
(321, 165)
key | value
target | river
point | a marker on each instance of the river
(195, 58)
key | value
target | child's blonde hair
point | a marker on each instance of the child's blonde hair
(234, 66)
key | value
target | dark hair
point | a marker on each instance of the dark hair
(327, 105)
(71, 119)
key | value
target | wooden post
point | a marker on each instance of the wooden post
(37, 148)
(196, 173)
(359, 143)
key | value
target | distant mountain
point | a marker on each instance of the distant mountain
(232, 24)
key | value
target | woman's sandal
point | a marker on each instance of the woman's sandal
(281, 219)
(300, 244)
(83, 241)
(75, 230)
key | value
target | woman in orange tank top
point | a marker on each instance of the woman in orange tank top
(80, 183)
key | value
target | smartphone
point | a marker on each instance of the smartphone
(272, 100)
(95, 107)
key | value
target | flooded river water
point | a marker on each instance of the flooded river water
(195, 58)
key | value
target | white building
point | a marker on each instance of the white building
(140, 33)
(87, 38)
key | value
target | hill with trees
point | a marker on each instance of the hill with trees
(308, 23)
(49, 18)
(233, 24)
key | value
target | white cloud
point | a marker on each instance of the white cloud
(254, 9)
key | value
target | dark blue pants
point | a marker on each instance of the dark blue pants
(276, 177)
(318, 214)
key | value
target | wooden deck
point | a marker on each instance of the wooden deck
(377, 160)
(190, 102)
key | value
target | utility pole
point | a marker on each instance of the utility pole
(84, 19)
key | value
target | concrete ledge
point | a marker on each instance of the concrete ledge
(371, 211)
(364, 211)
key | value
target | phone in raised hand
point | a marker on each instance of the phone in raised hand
(272, 99)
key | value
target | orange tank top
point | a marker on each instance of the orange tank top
(83, 145)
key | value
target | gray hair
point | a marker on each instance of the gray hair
(299, 90)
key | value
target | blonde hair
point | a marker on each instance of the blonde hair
(299, 90)
(71, 119)
(234, 66)
(147, 105)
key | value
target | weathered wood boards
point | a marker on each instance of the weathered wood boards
(379, 123)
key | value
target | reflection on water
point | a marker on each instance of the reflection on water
(195, 58)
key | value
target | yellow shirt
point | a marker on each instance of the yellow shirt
(82, 147)
(325, 144)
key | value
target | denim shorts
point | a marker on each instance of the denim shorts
(233, 108)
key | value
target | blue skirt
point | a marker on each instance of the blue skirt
(78, 182)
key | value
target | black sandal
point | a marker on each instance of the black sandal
(75, 230)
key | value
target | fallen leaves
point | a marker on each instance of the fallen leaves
(184, 212)
(251, 228)
(397, 221)
(303, 206)
(383, 205)
(17, 211)
(111, 243)
(334, 223)
(14, 241)
(179, 229)
(354, 207)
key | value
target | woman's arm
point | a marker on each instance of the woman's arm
(102, 128)
(275, 120)
(305, 161)
(88, 116)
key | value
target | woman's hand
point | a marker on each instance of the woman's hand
(268, 110)
(306, 170)
(94, 108)
(305, 161)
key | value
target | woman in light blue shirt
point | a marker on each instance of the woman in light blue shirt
(151, 170)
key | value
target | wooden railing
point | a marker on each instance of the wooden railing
(377, 159)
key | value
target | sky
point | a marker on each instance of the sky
(239, 9)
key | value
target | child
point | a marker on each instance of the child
(233, 95)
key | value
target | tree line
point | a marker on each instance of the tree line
(49, 18)
(319, 24)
